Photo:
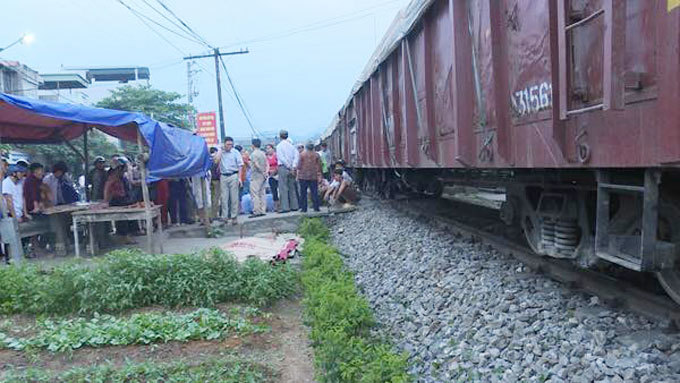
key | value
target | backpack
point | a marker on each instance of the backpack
(69, 193)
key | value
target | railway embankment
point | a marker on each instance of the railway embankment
(465, 312)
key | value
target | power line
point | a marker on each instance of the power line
(171, 21)
(238, 99)
(152, 28)
(143, 16)
(326, 23)
(185, 24)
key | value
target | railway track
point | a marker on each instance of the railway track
(481, 224)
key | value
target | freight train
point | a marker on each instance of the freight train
(572, 106)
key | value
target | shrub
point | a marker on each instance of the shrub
(341, 319)
(127, 279)
(227, 370)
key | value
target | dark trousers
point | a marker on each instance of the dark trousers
(274, 186)
(314, 189)
(177, 203)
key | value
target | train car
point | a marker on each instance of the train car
(572, 105)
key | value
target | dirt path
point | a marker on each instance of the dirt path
(297, 364)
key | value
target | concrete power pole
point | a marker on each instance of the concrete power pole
(190, 94)
(216, 55)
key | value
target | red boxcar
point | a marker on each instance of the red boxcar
(572, 105)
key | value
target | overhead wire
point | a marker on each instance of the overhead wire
(183, 23)
(239, 100)
(143, 16)
(151, 28)
(171, 21)
(326, 23)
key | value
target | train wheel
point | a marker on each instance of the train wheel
(669, 230)
(531, 227)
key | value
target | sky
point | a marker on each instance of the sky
(305, 55)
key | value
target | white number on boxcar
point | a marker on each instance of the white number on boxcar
(532, 99)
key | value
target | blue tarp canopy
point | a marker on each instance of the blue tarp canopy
(174, 152)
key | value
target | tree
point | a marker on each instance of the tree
(156, 103)
(49, 154)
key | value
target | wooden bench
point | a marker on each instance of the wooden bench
(12, 232)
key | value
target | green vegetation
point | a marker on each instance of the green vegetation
(130, 279)
(341, 319)
(159, 104)
(227, 370)
(145, 328)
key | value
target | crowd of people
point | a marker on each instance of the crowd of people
(280, 178)
(275, 178)
(27, 192)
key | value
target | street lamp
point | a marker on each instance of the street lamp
(26, 38)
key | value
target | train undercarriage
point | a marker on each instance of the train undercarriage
(593, 218)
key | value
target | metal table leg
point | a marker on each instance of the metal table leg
(75, 237)
(59, 230)
(93, 245)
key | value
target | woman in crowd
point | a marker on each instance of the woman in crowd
(116, 194)
(273, 174)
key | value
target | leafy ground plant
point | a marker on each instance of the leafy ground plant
(128, 279)
(144, 328)
(228, 370)
(341, 319)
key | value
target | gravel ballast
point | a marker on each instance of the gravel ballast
(465, 312)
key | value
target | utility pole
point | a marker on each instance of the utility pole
(216, 55)
(190, 92)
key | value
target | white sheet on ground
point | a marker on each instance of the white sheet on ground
(263, 246)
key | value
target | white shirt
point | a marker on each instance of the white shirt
(53, 182)
(231, 161)
(16, 191)
(287, 155)
(346, 177)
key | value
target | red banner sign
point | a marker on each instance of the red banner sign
(206, 127)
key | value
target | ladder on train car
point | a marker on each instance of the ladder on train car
(640, 252)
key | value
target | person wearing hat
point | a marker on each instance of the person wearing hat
(13, 191)
(97, 179)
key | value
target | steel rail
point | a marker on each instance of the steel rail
(617, 293)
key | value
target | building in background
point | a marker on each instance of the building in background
(64, 87)
(19, 79)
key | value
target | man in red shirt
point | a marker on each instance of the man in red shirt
(309, 174)
(32, 200)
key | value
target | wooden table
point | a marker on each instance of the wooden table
(117, 214)
(59, 222)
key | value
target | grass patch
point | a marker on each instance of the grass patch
(145, 328)
(128, 279)
(341, 319)
(229, 370)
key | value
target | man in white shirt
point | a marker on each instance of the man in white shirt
(288, 157)
(13, 191)
(230, 164)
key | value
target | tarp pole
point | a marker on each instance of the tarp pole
(145, 194)
(204, 213)
(86, 160)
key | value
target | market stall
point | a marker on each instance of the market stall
(167, 151)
